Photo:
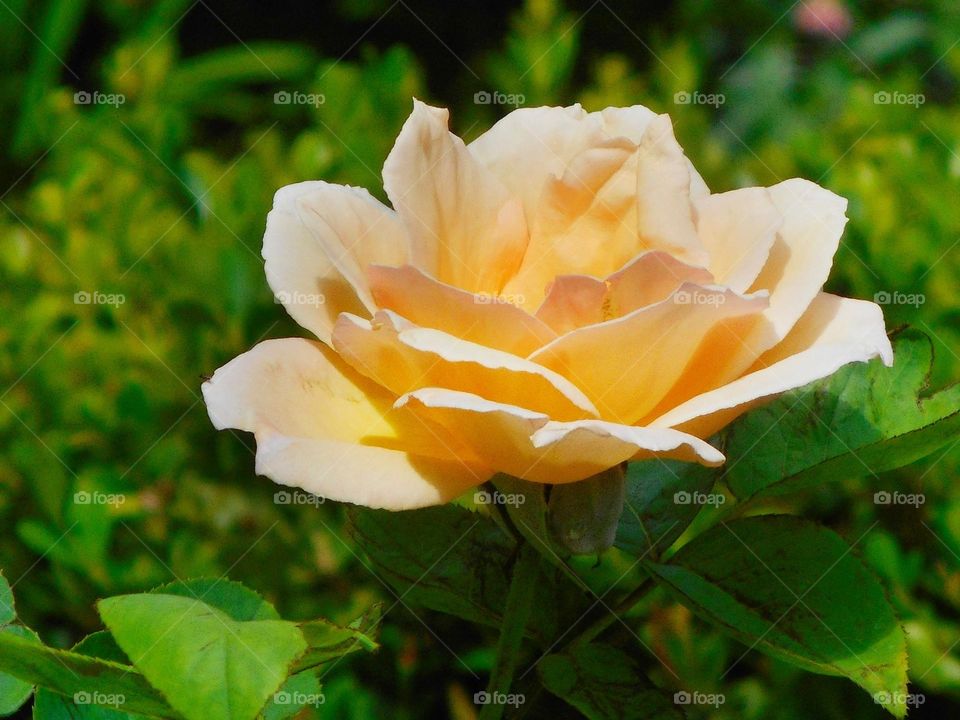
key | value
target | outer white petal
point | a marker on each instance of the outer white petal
(321, 427)
(319, 238)
(834, 332)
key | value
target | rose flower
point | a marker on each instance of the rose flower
(559, 296)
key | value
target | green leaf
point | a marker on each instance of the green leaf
(14, 691)
(8, 612)
(663, 498)
(794, 590)
(207, 663)
(455, 561)
(864, 419)
(235, 599)
(299, 691)
(68, 673)
(48, 705)
(604, 683)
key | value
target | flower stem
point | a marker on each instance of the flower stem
(612, 616)
(515, 616)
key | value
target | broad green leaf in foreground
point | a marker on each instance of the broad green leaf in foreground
(793, 589)
(864, 419)
(48, 705)
(209, 664)
(663, 497)
(604, 683)
(69, 673)
(15, 691)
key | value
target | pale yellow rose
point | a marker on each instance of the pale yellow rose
(559, 296)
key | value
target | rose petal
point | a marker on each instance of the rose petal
(298, 266)
(738, 228)
(832, 333)
(664, 203)
(529, 445)
(625, 366)
(801, 256)
(465, 228)
(403, 357)
(577, 300)
(484, 319)
(321, 427)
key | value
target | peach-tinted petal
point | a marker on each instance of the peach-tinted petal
(529, 445)
(801, 256)
(465, 228)
(664, 203)
(298, 266)
(321, 427)
(738, 228)
(531, 145)
(832, 333)
(354, 229)
(484, 319)
(626, 365)
(585, 223)
(576, 300)
(403, 357)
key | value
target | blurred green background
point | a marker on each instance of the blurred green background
(149, 194)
